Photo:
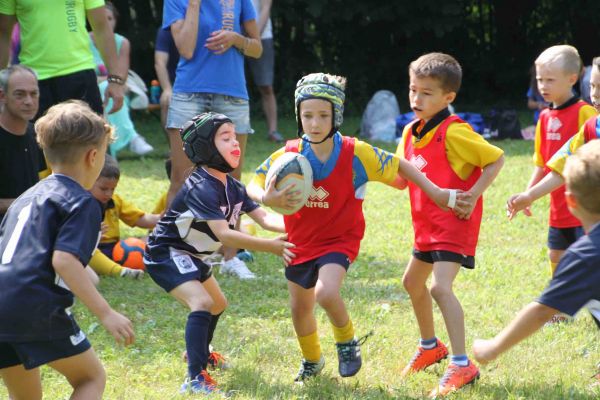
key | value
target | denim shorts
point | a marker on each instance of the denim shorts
(185, 106)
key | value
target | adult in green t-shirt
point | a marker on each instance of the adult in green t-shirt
(55, 43)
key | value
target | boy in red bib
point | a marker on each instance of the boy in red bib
(327, 231)
(451, 154)
(590, 130)
(557, 70)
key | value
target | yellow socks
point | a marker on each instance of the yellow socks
(553, 267)
(343, 334)
(310, 346)
(104, 265)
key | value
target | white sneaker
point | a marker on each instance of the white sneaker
(132, 273)
(139, 146)
(237, 267)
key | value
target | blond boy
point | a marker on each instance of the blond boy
(46, 238)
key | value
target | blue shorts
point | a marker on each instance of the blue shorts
(34, 354)
(306, 274)
(185, 106)
(442, 255)
(170, 272)
(262, 68)
(562, 238)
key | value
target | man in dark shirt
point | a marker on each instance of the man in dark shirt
(20, 157)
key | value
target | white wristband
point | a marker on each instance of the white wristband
(452, 198)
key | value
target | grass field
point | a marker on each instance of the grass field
(256, 332)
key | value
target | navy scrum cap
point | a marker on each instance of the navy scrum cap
(198, 136)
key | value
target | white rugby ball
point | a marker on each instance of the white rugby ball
(291, 169)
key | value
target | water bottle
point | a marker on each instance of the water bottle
(154, 92)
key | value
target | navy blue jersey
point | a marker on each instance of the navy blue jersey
(55, 214)
(184, 226)
(576, 282)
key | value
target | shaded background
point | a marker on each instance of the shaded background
(372, 42)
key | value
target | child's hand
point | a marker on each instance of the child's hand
(287, 198)
(484, 351)
(282, 247)
(465, 203)
(518, 202)
(119, 326)
(103, 228)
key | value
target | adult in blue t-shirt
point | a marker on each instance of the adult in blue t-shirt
(210, 73)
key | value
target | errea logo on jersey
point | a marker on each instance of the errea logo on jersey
(554, 126)
(317, 195)
(419, 162)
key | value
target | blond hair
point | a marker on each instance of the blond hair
(442, 67)
(70, 128)
(582, 175)
(563, 56)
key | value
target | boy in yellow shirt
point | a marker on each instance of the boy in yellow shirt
(115, 209)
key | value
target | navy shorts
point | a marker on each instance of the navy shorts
(306, 274)
(34, 354)
(442, 255)
(176, 270)
(562, 238)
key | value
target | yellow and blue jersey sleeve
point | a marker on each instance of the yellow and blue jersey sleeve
(260, 175)
(467, 150)
(371, 164)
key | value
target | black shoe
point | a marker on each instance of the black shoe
(349, 356)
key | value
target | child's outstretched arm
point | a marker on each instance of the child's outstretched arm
(147, 221)
(269, 221)
(528, 321)
(232, 238)
(70, 269)
(522, 201)
(488, 174)
(444, 198)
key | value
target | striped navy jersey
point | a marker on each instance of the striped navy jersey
(184, 226)
(55, 214)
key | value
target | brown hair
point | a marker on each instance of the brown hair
(111, 168)
(68, 129)
(111, 7)
(439, 66)
(582, 174)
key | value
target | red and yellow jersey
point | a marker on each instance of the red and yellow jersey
(465, 148)
(336, 200)
(555, 127)
(119, 209)
(442, 155)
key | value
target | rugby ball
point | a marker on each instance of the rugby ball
(291, 169)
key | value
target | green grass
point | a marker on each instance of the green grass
(256, 330)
